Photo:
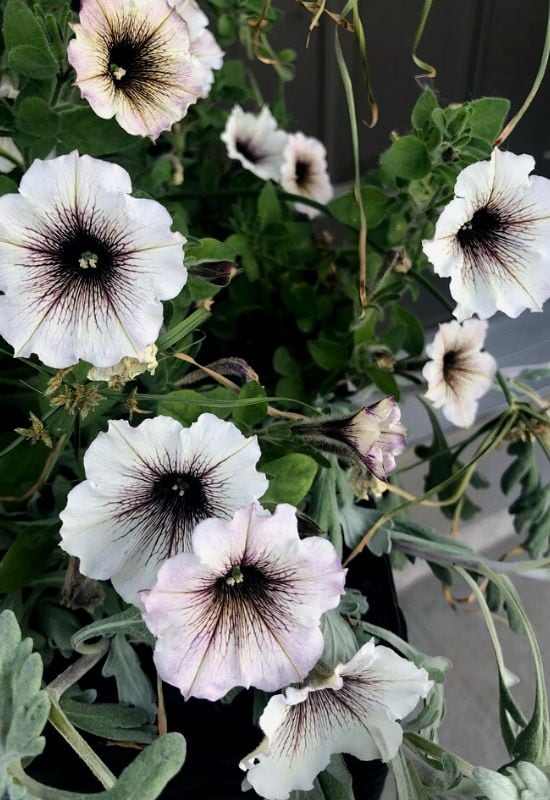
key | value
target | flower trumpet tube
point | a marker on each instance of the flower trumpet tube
(373, 435)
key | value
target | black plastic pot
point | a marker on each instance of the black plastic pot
(219, 735)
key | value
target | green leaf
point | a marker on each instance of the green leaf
(24, 707)
(34, 116)
(487, 117)
(22, 28)
(384, 381)
(406, 158)
(34, 63)
(149, 773)
(405, 785)
(208, 250)
(181, 330)
(290, 477)
(186, 405)
(129, 623)
(494, 785)
(27, 556)
(269, 205)
(133, 686)
(80, 128)
(109, 720)
(242, 246)
(251, 415)
(423, 109)
(375, 203)
(328, 355)
(340, 642)
(7, 185)
(412, 339)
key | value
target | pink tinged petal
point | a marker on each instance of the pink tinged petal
(354, 711)
(131, 513)
(244, 609)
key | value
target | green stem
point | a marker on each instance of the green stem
(507, 130)
(67, 730)
(431, 72)
(425, 283)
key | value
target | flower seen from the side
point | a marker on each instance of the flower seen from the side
(127, 368)
(202, 44)
(304, 172)
(133, 61)
(147, 488)
(353, 711)
(493, 239)
(83, 265)
(373, 435)
(255, 141)
(459, 373)
(244, 607)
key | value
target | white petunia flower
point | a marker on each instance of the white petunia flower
(493, 239)
(304, 172)
(10, 155)
(147, 488)
(8, 88)
(459, 373)
(244, 608)
(353, 711)
(202, 44)
(255, 141)
(133, 61)
(84, 266)
(127, 368)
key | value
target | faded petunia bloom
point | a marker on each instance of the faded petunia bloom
(127, 368)
(458, 373)
(255, 141)
(244, 608)
(353, 711)
(493, 239)
(133, 61)
(147, 488)
(202, 44)
(304, 172)
(374, 435)
(83, 265)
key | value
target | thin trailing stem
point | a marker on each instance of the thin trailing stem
(430, 71)
(509, 128)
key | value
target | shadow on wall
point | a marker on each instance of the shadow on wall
(479, 47)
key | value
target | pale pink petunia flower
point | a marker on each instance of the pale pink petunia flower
(244, 607)
(133, 61)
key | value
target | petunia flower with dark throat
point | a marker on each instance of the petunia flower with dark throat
(83, 265)
(244, 607)
(255, 141)
(147, 488)
(493, 239)
(304, 172)
(134, 61)
(374, 435)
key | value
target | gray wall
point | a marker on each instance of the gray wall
(480, 47)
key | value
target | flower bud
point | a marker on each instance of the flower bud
(220, 273)
(373, 435)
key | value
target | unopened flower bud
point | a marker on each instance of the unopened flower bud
(373, 435)
(220, 273)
